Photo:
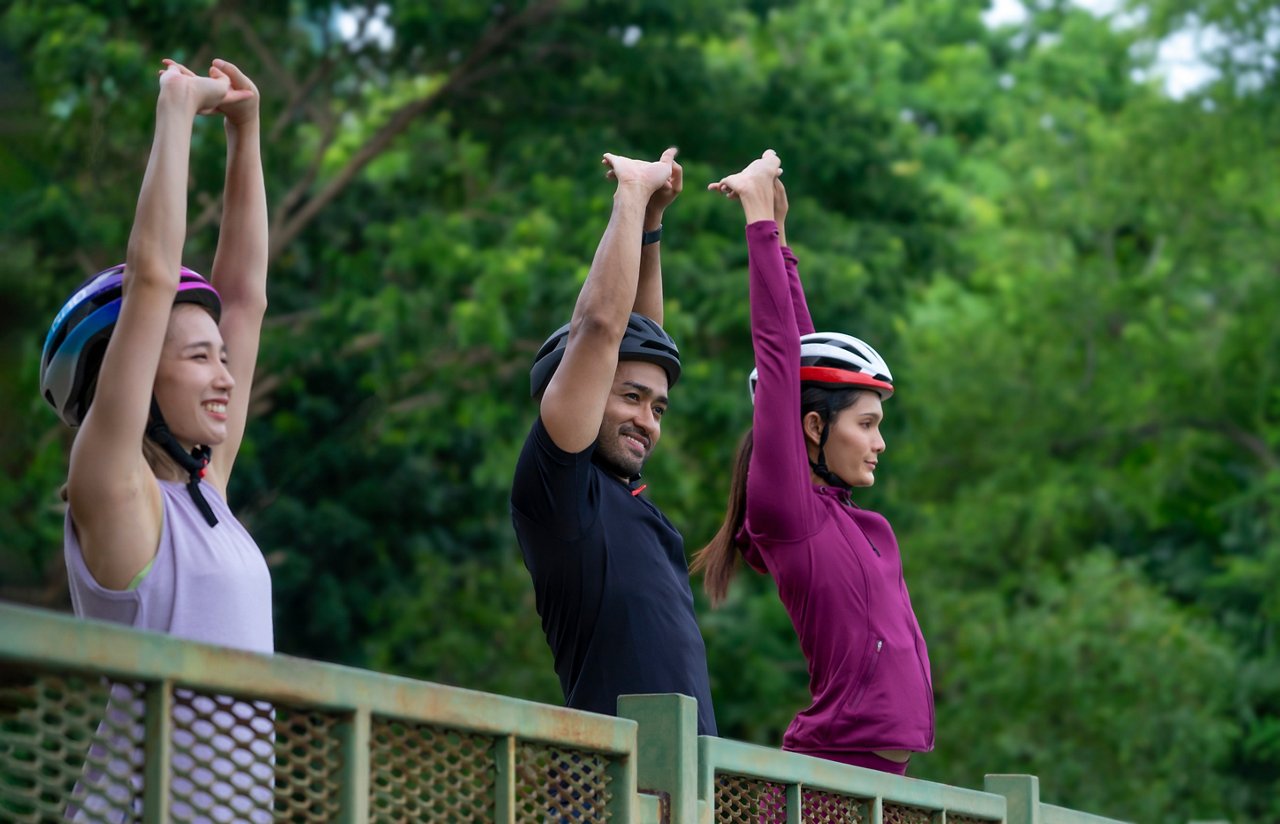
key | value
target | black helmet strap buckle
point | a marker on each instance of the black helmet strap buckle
(193, 462)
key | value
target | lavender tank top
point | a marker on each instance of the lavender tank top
(207, 584)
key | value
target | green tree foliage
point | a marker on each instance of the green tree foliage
(1092, 673)
(1073, 275)
(1125, 260)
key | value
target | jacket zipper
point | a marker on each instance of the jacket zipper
(870, 542)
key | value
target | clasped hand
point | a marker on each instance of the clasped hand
(226, 90)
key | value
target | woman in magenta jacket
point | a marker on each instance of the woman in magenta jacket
(818, 408)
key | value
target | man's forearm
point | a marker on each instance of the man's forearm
(610, 292)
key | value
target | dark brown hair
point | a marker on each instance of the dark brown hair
(718, 560)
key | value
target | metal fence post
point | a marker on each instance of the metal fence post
(795, 804)
(1022, 792)
(354, 732)
(158, 764)
(504, 759)
(666, 749)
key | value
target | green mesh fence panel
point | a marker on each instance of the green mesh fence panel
(554, 784)
(899, 814)
(832, 808)
(63, 753)
(73, 748)
(223, 759)
(749, 800)
(308, 765)
(420, 772)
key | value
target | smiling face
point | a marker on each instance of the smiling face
(853, 443)
(193, 386)
(632, 422)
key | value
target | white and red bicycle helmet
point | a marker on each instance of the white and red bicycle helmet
(835, 360)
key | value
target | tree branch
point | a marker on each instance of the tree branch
(493, 39)
(298, 189)
(298, 101)
(265, 56)
(1249, 441)
(1252, 443)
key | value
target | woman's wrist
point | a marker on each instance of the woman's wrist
(176, 99)
(249, 129)
(755, 207)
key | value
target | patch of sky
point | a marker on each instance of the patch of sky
(1180, 59)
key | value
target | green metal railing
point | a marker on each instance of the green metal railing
(715, 779)
(102, 723)
(748, 780)
(342, 745)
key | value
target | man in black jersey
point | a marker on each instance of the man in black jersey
(608, 568)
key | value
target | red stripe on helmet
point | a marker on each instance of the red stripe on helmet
(826, 374)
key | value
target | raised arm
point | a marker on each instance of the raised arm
(573, 404)
(778, 506)
(804, 323)
(114, 501)
(649, 289)
(240, 263)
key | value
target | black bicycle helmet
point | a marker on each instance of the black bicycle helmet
(644, 340)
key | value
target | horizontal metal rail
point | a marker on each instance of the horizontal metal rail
(796, 773)
(119, 722)
(96, 713)
(60, 642)
(1050, 814)
(1023, 795)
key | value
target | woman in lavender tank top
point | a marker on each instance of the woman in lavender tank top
(816, 435)
(152, 367)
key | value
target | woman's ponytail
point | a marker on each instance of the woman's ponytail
(718, 560)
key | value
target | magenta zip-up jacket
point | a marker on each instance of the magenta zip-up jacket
(837, 567)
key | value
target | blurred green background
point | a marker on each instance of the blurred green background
(1074, 275)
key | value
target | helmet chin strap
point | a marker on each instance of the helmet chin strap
(819, 466)
(193, 462)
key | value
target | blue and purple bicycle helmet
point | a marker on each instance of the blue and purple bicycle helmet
(78, 337)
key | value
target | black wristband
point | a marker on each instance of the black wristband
(651, 237)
